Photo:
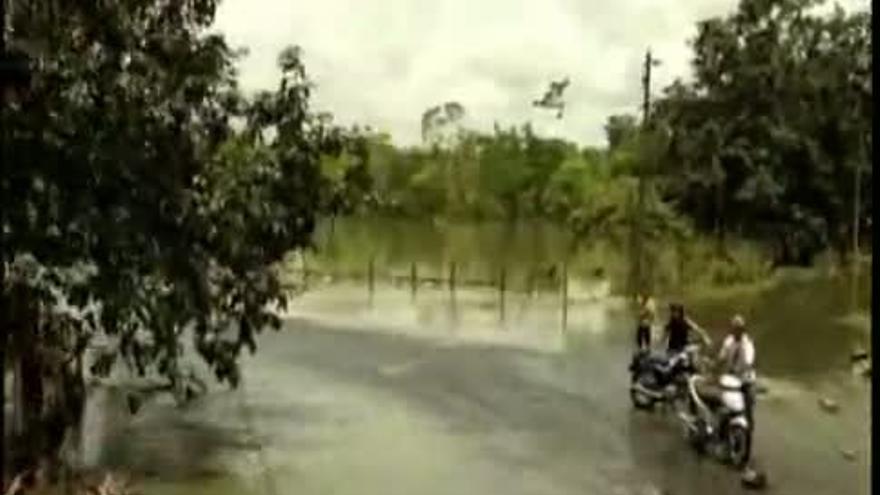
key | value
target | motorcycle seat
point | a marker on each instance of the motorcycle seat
(645, 359)
(710, 394)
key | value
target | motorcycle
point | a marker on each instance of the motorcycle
(718, 419)
(660, 378)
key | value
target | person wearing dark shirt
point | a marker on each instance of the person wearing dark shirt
(679, 329)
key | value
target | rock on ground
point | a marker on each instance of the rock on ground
(828, 405)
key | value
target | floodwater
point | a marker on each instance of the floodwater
(389, 395)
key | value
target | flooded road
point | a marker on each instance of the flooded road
(402, 397)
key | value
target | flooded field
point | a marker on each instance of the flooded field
(390, 395)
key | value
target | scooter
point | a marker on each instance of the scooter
(659, 378)
(716, 419)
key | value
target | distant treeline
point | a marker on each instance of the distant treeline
(771, 141)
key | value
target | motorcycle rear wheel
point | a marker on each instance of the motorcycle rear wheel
(739, 445)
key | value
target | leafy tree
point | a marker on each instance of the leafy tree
(438, 120)
(571, 184)
(553, 97)
(134, 198)
(543, 157)
(767, 139)
(503, 170)
(620, 129)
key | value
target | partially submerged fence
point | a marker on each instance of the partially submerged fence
(552, 278)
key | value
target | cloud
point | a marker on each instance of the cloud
(383, 62)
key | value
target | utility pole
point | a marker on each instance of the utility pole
(646, 87)
(637, 241)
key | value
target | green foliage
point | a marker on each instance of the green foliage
(767, 139)
(574, 181)
(620, 129)
(505, 174)
(553, 97)
(129, 171)
(439, 119)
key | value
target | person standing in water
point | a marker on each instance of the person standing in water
(647, 314)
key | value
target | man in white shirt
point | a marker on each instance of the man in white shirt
(737, 357)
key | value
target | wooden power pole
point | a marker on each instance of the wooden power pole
(637, 238)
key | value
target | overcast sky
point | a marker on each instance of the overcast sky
(383, 62)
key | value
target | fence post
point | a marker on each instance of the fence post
(371, 278)
(502, 283)
(305, 268)
(564, 296)
(453, 306)
(452, 278)
(413, 280)
(530, 282)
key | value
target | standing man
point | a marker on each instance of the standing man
(737, 357)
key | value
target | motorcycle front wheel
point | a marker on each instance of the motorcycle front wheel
(696, 437)
(640, 399)
(680, 402)
(739, 445)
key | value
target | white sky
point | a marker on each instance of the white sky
(383, 62)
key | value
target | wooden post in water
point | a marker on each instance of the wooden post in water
(452, 278)
(371, 275)
(413, 280)
(502, 283)
(564, 283)
(453, 306)
(305, 268)
(531, 281)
